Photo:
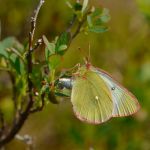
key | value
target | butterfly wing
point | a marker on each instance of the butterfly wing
(91, 99)
(125, 103)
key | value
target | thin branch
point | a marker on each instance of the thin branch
(80, 25)
(78, 29)
(42, 105)
(27, 139)
(37, 44)
(33, 23)
(2, 123)
(72, 22)
(23, 116)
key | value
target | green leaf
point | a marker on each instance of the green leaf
(21, 84)
(8, 42)
(97, 19)
(98, 22)
(89, 20)
(64, 39)
(105, 15)
(63, 93)
(105, 11)
(97, 12)
(98, 29)
(12, 42)
(12, 58)
(59, 46)
(69, 4)
(54, 61)
(49, 46)
(21, 89)
(77, 6)
(17, 64)
(62, 48)
(85, 4)
(3, 51)
(105, 19)
(47, 53)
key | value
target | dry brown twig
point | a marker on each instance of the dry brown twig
(19, 121)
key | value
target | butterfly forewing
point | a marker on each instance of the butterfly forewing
(125, 103)
(91, 98)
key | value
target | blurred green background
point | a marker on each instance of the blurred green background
(123, 51)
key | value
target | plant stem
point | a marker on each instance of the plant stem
(18, 123)
(72, 22)
(80, 24)
(78, 29)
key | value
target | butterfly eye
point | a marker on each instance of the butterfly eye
(113, 88)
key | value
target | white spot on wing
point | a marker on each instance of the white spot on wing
(96, 97)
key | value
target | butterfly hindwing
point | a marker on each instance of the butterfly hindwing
(125, 103)
(91, 98)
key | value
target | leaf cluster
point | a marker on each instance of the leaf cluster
(44, 75)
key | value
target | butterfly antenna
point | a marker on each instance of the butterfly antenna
(83, 54)
(87, 58)
(89, 55)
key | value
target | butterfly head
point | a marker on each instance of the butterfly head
(87, 63)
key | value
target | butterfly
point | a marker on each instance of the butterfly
(97, 97)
